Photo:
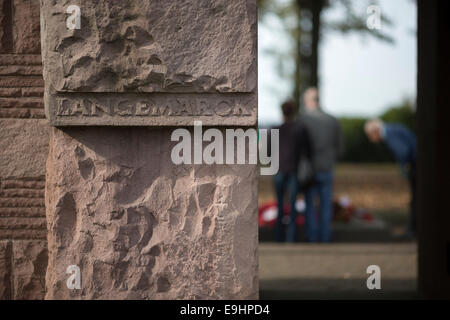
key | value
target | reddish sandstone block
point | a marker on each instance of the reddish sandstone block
(25, 193)
(21, 202)
(20, 59)
(10, 92)
(23, 184)
(13, 81)
(22, 212)
(23, 234)
(22, 223)
(24, 146)
(26, 26)
(15, 113)
(29, 264)
(21, 103)
(32, 92)
(20, 70)
(37, 114)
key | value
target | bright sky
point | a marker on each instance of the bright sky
(358, 76)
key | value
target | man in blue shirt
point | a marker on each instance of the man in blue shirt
(402, 143)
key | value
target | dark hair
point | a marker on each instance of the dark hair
(289, 108)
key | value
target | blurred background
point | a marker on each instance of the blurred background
(360, 73)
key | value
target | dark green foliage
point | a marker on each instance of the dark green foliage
(357, 148)
(402, 114)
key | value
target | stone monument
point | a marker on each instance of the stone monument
(120, 76)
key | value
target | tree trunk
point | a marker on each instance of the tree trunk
(316, 10)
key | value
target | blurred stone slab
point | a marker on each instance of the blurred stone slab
(196, 47)
(139, 226)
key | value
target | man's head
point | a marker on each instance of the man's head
(289, 109)
(311, 99)
(373, 129)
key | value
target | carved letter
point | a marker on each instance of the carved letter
(223, 108)
(142, 109)
(64, 108)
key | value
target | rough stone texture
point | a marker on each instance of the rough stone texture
(22, 269)
(151, 46)
(24, 145)
(30, 264)
(137, 225)
(5, 270)
(140, 227)
(26, 26)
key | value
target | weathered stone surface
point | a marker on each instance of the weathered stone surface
(153, 109)
(140, 227)
(26, 26)
(22, 269)
(30, 264)
(24, 145)
(5, 270)
(186, 46)
(137, 225)
(20, 59)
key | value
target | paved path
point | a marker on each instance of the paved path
(336, 271)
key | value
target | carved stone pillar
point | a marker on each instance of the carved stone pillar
(120, 76)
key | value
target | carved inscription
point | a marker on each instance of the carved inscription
(130, 109)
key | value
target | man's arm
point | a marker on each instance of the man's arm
(305, 145)
(398, 142)
(339, 140)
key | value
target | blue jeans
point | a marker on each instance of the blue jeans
(281, 181)
(320, 230)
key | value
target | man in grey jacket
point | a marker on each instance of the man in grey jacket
(326, 144)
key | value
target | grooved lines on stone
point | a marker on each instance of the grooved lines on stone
(22, 209)
(21, 86)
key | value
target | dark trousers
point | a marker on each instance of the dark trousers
(286, 181)
(413, 207)
(319, 228)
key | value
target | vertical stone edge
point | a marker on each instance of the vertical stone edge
(6, 26)
(6, 289)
